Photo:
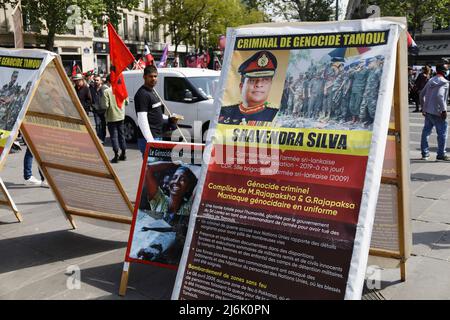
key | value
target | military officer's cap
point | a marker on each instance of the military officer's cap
(337, 59)
(261, 64)
(354, 64)
(380, 57)
(369, 60)
(15, 73)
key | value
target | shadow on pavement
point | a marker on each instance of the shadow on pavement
(436, 240)
(38, 249)
(429, 177)
(144, 282)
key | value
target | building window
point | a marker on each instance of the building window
(147, 30)
(125, 26)
(136, 28)
(155, 35)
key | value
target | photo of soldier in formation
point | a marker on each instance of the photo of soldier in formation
(12, 98)
(325, 90)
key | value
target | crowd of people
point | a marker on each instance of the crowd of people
(335, 91)
(96, 96)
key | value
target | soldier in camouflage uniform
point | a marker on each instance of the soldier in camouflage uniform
(330, 76)
(306, 95)
(316, 95)
(369, 102)
(287, 99)
(359, 79)
(344, 93)
(336, 91)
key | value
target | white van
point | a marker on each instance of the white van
(185, 91)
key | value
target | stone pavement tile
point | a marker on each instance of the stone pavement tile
(433, 190)
(22, 277)
(17, 256)
(90, 292)
(425, 235)
(42, 288)
(429, 280)
(37, 223)
(390, 278)
(441, 249)
(419, 206)
(415, 186)
(438, 212)
(105, 271)
(67, 244)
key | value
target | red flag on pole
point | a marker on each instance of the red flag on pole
(120, 57)
(149, 60)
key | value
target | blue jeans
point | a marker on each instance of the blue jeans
(100, 125)
(27, 166)
(116, 130)
(142, 144)
(431, 121)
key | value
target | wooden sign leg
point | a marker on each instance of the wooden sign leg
(18, 216)
(72, 222)
(403, 270)
(124, 279)
(9, 201)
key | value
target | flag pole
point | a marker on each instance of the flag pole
(170, 115)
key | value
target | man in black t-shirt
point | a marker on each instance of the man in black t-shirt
(149, 110)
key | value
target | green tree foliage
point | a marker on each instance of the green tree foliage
(200, 22)
(52, 15)
(300, 10)
(416, 11)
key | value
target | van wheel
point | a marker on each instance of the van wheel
(205, 128)
(130, 130)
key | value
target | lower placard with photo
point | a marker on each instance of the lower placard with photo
(168, 181)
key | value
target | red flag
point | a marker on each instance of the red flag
(121, 57)
(74, 68)
(149, 60)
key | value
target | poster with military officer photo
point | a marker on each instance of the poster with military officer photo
(288, 198)
(19, 72)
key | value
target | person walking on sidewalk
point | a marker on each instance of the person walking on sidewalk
(115, 119)
(433, 99)
(420, 83)
(98, 107)
(28, 177)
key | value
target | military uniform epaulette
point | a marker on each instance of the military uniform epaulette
(270, 106)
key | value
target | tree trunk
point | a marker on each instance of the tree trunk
(50, 40)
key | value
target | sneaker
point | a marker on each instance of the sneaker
(32, 181)
(425, 157)
(443, 158)
(44, 184)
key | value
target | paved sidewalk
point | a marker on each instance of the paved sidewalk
(37, 255)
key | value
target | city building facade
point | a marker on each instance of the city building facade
(89, 48)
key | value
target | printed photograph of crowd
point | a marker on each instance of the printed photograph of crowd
(332, 89)
(12, 98)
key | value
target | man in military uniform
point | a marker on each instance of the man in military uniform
(359, 79)
(370, 97)
(256, 81)
(316, 89)
(330, 75)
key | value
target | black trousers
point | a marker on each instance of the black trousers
(116, 130)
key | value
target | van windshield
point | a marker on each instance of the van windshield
(206, 86)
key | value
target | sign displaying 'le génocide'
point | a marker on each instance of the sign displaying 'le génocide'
(288, 198)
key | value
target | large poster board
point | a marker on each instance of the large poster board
(289, 195)
(19, 74)
(61, 138)
(168, 183)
